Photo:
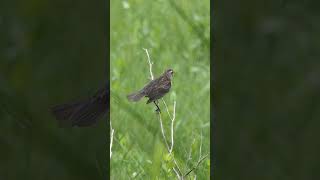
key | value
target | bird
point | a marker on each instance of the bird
(83, 113)
(155, 89)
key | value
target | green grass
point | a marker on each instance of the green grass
(177, 36)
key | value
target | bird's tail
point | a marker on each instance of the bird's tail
(136, 96)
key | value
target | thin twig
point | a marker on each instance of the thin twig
(162, 131)
(111, 139)
(190, 150)
(200, 145)
(177, 173)
(168, 148)
(196, 166)
(150, 64)
(176, 164)
(172, 121)
(165, 104)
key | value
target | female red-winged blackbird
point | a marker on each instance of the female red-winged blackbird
(155, 89)
(83, 113)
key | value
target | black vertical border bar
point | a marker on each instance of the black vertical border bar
(108, 84)
(213, 95)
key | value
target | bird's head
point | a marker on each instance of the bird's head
(169, 73)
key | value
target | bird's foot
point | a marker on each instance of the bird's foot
(158, 110)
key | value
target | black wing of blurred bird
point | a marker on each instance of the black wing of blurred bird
(83, 113)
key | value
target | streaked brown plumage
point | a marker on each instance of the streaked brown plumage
(155, 89)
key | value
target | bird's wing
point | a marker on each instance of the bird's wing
(159, 90)
(150, 85)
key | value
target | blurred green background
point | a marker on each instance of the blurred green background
(268, 76)
(177, 34)
(51, 52)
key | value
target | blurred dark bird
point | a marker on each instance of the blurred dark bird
(155, 89)
(83, 113)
